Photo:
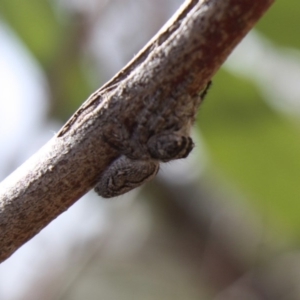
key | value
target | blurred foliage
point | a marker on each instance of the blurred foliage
(281, 23)
(251, 144)
(52, 35)
(35, 23)
(256, 148)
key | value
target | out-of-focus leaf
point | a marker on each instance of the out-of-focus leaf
(281, 23)
(35, 23)
(56, 44)
(256, 149)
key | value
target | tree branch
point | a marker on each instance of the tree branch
(182, 57)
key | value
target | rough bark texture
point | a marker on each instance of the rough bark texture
(183, 57)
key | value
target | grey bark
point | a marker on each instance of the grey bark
(183, 56)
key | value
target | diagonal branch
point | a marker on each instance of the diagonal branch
(182, 57)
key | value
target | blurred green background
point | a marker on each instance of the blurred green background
(248, 125)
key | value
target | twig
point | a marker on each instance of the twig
(182, 57)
